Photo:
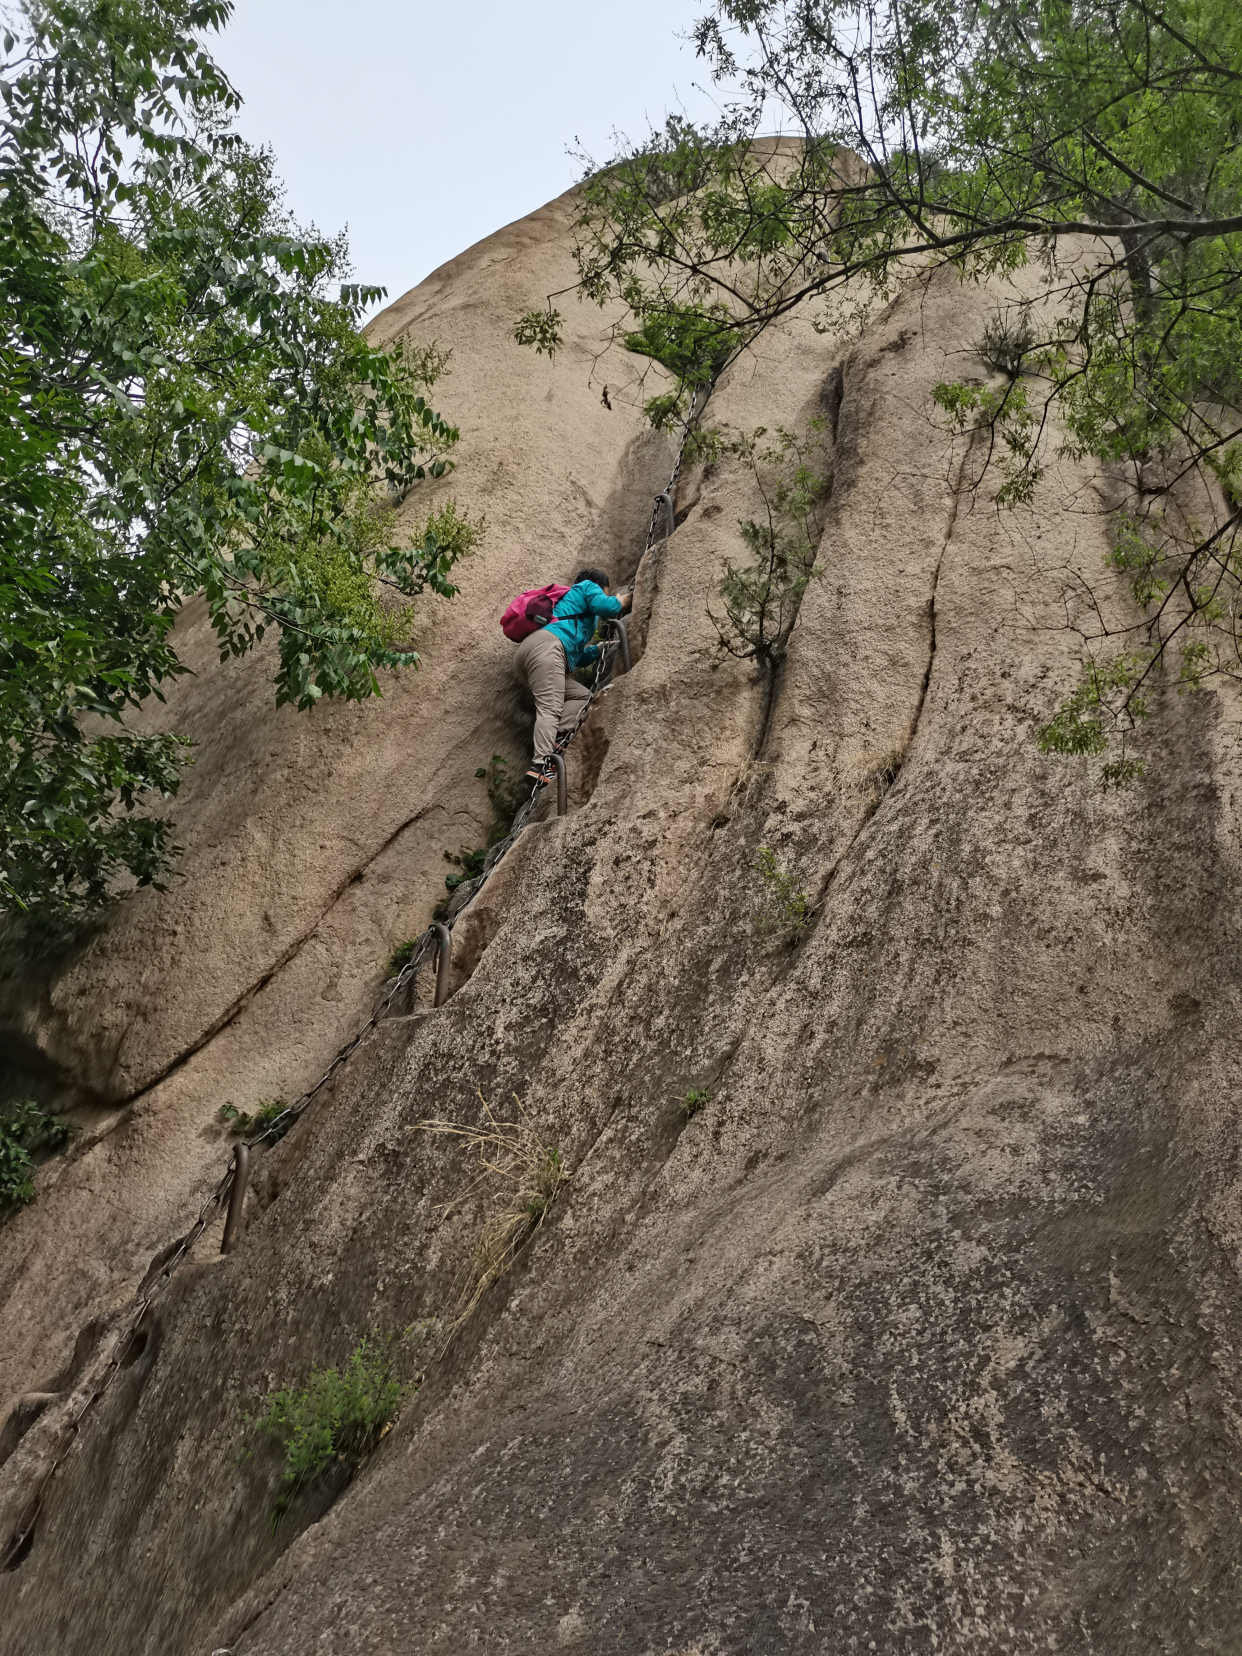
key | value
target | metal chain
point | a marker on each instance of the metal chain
(148, 1294)
(687, 427)
(292, 1113)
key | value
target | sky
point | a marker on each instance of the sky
(424, 127)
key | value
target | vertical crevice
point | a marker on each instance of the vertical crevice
(888, 777)
(931, 603)
(769, 676)
(831, 402)
(831, 397)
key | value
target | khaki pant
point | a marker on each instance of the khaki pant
(540, 665)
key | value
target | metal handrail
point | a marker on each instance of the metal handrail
(667, 498)
(235, 1180)
(623, 642)
(562, 792)
(444, 938)
(237, 1197)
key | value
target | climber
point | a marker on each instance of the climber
(548, 656)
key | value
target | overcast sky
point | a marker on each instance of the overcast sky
(424, 127)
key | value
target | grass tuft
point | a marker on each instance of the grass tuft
(525, 1175)
(402, 955)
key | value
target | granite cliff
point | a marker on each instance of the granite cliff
(921, 1335)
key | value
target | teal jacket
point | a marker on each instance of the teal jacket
(574, 618)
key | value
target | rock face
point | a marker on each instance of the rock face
(921, 1335)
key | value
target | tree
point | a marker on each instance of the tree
(928, 132)
(761, 599)
(186, 408)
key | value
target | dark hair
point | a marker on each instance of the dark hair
(601, 577)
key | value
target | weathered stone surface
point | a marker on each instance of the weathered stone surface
(314, 844)
(923, 1335)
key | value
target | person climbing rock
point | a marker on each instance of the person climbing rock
(548, 656)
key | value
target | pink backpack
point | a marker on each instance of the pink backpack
(529, 611)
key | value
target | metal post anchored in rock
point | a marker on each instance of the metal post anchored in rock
(667, 498)
(444, 938)
(623, 643)
(562, 794)
(237, 1197)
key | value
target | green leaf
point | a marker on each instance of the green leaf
(186, 408)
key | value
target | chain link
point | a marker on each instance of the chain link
(687, 427)
(150, 1291)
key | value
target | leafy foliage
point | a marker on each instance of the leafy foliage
(696, 1099)
(781, 912)
(186, 409)
(1008, 419)
(1007, 342)
(635, 219)
(25, 1130)
(761, 599)
(976, 137)
(506, 794)
(339, 1414)
(469, 865)
(402, 955)
(1078, 726)
(265, 1112)
(542, 329)
(694, 345)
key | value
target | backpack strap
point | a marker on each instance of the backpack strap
(574, 614)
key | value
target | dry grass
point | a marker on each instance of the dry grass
(874, 773)
(748, 773)
(524, 1175)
